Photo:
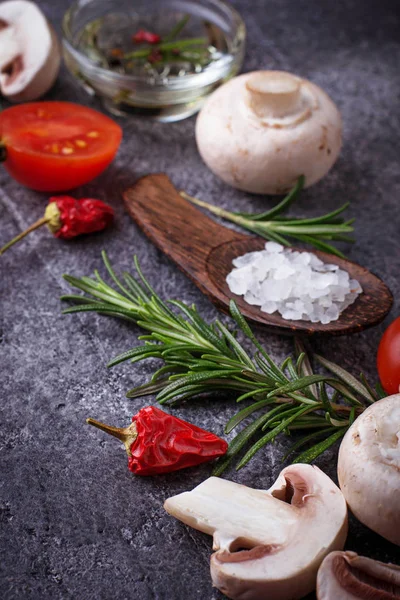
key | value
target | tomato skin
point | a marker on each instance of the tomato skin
(51, 175)
(388, 358)
(36, 134)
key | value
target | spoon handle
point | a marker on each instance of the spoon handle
(180, 230)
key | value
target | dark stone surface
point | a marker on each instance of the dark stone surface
(74, 522)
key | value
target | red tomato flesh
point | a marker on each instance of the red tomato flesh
(388, 358)
(56, 146)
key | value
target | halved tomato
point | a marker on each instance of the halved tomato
(56, 146)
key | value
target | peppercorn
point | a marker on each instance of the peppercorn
(157, 442)
(67, 217)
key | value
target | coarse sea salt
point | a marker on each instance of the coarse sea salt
(298, 285)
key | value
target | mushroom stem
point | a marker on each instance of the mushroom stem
(254, 517)
(275, 96)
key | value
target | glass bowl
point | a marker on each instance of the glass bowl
(169, 91)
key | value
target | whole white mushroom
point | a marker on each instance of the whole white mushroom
(260, 131)
(369, 468)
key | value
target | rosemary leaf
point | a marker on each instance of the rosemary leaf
(313, 453)
(319, 245)
(307, 438)
(244, 413)
(271, 214)
(175, 31)
(169, 45)
(380, 391)
(147, 389)
(276, 414)
(328, 218)
(244, 326)
(168, 369)
(298, 384)
(194, 378)
(237, 348)
(305, 368)
(345, 391)
(139, 351)
(269, 437)
(238, 443)
(347, 378)
(254, 394)
(367, 386)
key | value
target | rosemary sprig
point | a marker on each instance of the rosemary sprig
(317, 232)
(199, 358)
(170, 50)
(190, 43)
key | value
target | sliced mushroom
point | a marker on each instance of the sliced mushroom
(260, 131)
(347, 576)
(269, 544)
(29, 51)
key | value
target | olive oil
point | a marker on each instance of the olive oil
(187, 44)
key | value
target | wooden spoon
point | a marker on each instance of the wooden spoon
(204, 250)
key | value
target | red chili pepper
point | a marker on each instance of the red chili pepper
(157, 442)
(146, 36)
(66, 218)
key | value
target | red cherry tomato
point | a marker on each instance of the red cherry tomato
(56, 146)
(388, 358)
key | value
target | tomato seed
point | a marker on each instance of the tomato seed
(80, 143)
(93, 134)
(67, 150)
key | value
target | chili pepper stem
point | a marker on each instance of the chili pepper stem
(127, 435)
(39, 223)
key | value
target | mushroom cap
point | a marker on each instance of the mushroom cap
(30, 54)
(369, 467)
(260, 131)
(269, 544)
(347, 576)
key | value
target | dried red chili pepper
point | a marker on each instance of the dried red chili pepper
(67, 217)
(146, 36)
(157, 442)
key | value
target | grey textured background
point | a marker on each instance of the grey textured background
(74, 522)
